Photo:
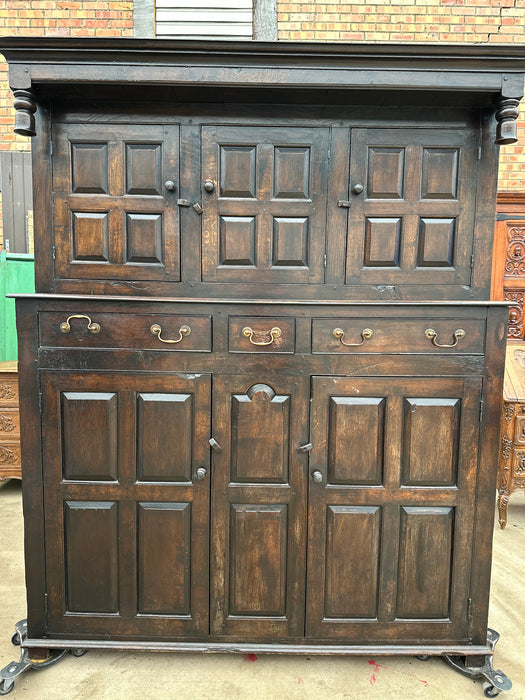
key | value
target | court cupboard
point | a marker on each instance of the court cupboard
(261, 377)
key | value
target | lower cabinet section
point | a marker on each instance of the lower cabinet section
(260, 506)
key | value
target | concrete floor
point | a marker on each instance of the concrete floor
(102, 674)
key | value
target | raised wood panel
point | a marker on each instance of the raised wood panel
(164, 558)
(425, 562)
(237, 171)
(352, 561)
(238, 240)
(356, 421)
(386, 173)
(291, 173)
(144, 168)
(164, 437)
(90, 436)
(90, 231)
(258, 559)
(260, 436)
(383, 242)
(144, 238)
(440, 169)
(436, 243)
(290, 241)
(89, 168)
(91, 556)
(437, 420)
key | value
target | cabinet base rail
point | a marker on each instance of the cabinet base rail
(471, 661)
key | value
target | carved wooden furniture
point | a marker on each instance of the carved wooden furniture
(261, 374)
(511, 466)
(508, 278)
(10, 462)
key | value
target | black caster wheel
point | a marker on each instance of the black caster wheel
(6, 686)
(423, 657)
(78, 652)
(490, 691)
(15, 639)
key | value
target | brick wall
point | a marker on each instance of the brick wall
(54, 18)
(451, 21)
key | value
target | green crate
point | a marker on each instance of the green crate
(17, 276)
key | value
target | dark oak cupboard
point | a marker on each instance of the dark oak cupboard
(261, 376)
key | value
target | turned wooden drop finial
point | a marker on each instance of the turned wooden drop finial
(25, 113)
(507, 114)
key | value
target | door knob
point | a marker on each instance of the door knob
(170, 185)
(209, 186)
(357, 189)
(317, 477)
(200, 474)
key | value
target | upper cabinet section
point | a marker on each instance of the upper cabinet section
(186, 169)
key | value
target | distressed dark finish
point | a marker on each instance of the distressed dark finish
(262, 340)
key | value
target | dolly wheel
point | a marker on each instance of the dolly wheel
(6, 686)
(490, 691)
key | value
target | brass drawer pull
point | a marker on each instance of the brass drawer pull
(366, 333)
(65, 326)
(274, 333)
(157, 330)
(431, 334)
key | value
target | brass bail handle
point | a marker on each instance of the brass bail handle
(366, 333)
(65, 326)
(275, 332)
(157, 330)
(431, 334)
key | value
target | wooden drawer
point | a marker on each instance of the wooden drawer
(126, 331)
(9, 454)
(8, 390)
(261, 334)
(9, 424)
(386, 335)
(518, 464)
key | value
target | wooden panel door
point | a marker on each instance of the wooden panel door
(390, 516)
(126, 509)
(114, 216)
(265, 218)
(259, 508)
(411, 219)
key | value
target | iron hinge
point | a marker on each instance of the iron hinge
(45, 605)
(54, 253)
(469, 610)
(40, 402)
(51, 148)
(472, 260)
(324, 260)
(479, 152)
(481, 411)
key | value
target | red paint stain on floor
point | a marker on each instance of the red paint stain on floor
(418, 679)
(250, 657)
(300, 681)
(377, 667)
